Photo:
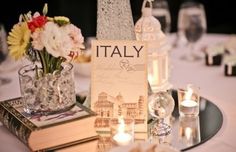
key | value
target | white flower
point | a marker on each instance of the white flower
(37, 42)
(36, 14)
(65, 41)
(76, 39)
(55, 40)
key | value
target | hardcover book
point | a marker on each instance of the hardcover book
(43, 132)
(119, 82)
(91, 146)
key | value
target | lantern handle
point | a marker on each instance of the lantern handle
(147, 11)
(145, 2)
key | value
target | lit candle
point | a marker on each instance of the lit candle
(189, 106)
(121, 137)
(153, 75)
(155, 72)
(188, 102)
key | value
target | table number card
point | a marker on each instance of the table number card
(119, 82)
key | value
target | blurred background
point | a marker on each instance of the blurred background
(220, 14)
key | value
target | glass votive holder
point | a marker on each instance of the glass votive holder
(122, 131)
(188, 100)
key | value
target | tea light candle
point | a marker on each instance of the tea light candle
(189, 103)
(121, 137)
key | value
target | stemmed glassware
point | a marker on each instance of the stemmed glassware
(160, 10)
(3, 53)
(6, 62)
(192, 24)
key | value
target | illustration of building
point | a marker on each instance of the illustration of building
(103, 107)
(134, 110)
(118, 106)
(108, 107)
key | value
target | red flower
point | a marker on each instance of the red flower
(37, 22)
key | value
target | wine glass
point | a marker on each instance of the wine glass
(160, 106)
(192, 25)
(7, 63)
(160, 10)
(3, 53)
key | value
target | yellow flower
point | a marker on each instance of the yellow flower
(18, 40)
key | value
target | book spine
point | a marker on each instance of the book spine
(9, 120)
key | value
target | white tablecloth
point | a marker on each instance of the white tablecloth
(214, 86)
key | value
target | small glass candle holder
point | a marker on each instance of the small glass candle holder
(122, 131)
(188, 100)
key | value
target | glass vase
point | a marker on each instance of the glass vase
(48, 93)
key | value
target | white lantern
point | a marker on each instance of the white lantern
(148, 29)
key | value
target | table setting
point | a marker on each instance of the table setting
(147, 94)
(220, 98)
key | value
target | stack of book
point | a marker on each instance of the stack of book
(48, 132)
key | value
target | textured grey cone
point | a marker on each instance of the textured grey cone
(114, 20)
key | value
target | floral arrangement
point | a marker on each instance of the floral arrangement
(51, 41)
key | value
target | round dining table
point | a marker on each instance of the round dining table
(213, 84)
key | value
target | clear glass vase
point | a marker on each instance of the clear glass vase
(47, 94)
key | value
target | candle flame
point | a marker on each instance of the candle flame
(189, 93)
(155, 72)
(153, 75)
(121, 127)
(150, 78)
